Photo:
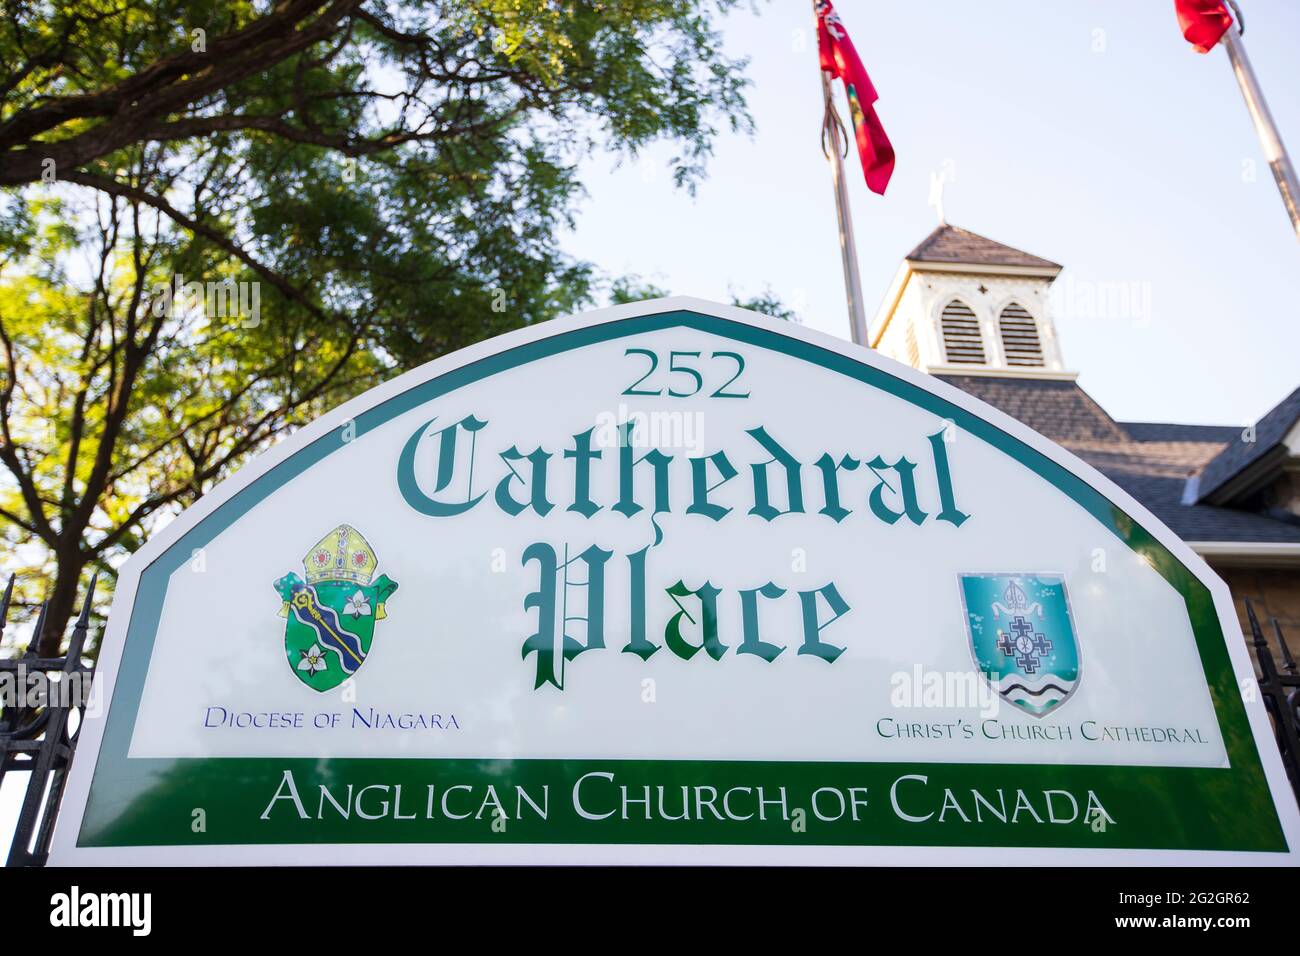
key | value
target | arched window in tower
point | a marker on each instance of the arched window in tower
(1019, 331)
(962, 343)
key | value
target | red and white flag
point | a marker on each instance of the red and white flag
(1203, 22)
(839, 58)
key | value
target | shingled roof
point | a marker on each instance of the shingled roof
(1154, 462)
(1162, 431)
(1240, 455)
(1059, 410)
(952, 245)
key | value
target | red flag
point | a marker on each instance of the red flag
(839, 58)
(1203, 22)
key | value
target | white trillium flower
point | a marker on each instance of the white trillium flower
(313, 660)
(357, 605)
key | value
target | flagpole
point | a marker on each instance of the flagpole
(1269, 137)
(848, 248)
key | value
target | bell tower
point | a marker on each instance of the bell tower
(962, 304)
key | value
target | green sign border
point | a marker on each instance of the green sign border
(149, 801)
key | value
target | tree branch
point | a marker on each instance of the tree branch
(116, 188)
(167, 86)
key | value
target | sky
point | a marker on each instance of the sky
(1090, 134)
(1087, 133)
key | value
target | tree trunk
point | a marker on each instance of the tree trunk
(61, 604)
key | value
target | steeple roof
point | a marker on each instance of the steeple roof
(956, 246)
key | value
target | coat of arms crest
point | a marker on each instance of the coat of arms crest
(330, 617)
(1022, 637)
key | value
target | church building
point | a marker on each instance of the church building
(978, 315)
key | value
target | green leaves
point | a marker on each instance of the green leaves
(391, 177)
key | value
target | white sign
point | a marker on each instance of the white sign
(672, 581)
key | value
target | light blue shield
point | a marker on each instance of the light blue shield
(1022, 637)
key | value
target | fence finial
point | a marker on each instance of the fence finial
(84, 618)
(1254, 624)
(37, 631)
(79, 629)
(1288, 662)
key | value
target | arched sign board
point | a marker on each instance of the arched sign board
(672, 582)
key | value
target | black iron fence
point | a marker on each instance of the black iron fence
(36, 738)
(1281, 693)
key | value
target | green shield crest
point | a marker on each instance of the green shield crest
(330, 617)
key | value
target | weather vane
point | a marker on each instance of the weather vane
(938, 179)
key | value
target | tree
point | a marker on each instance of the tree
(767, 302)
(388, 178)
(626, 289)
(634, 289)
(123, 401)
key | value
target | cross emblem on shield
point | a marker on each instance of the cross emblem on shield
(1022, 637)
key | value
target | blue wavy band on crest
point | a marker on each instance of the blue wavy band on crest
(329, 630)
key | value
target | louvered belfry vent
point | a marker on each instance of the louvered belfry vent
(1020, 340)
(962, 343)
